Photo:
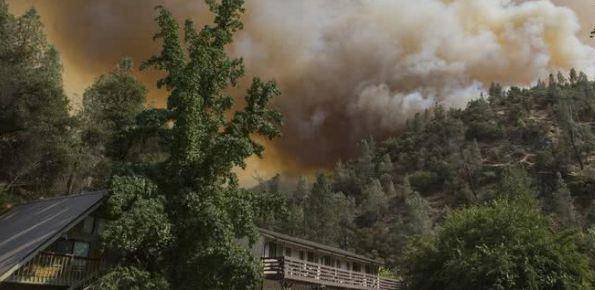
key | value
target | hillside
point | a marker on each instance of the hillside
(451, 158)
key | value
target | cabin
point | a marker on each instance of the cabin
(298, 264)
(53, 244)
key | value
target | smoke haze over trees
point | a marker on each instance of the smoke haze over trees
(435, 176)
(408, 55)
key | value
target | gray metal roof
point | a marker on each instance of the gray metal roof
(27, 228)
(316, 246)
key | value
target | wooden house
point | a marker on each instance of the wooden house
(54, 244)
(298, 264)
(51, 243)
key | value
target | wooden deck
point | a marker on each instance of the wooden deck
(58, 270)
(286, 268)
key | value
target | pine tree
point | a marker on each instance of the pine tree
(110, 107)
(577, 137)
(35, 135)
(418, 215)
(563, 204)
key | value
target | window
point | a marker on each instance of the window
(302, 255)
(272, 249)
(326, 260)
(288, 252)
(357, 267)
(62, 247)
(311, 257)
(368, 269)
(81, 249)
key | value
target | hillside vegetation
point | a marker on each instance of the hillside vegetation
(539, 139)
(497, 195)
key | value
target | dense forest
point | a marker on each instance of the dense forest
(496, 195)
(534, 141)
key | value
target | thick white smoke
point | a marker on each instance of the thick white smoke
(354, 68)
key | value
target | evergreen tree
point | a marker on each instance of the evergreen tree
(563, 204)
(110, 107)
(418, 215)
(577, 139)
(327, 213)
(35, 135)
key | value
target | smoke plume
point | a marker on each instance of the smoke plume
(348, 69)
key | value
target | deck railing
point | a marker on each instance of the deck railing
(298, 270)
(55, 269)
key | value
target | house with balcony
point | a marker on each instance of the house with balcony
(298, 264)
(53, 244)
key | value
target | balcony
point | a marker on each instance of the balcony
(58, 270)
(286, 268)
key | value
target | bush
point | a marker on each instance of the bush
(507, 244)
(424, 181)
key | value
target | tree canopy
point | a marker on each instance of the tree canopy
(507, 244)
(192, 197)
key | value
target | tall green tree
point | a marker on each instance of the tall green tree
(34, 111)
(110, 107)
(328, 214)
(206, 209)
(563, 204)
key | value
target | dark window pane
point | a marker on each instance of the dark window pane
(81, 249)
(62, 247)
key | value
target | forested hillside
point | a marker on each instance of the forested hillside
(496, 195)
(538, 138)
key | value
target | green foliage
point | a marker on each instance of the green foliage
(563, 204)
(327, 213)
(130, 278)
(192, 199)
(418, 215)
(510, 146)
(34, 121)
(140, 229)
(506, 244)
(110, 107)
(424, 181)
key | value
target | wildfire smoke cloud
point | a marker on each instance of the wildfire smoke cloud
(348, 69)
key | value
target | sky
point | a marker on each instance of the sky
(348, 69)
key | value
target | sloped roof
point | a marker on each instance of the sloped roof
(30, 227)
(316, 246)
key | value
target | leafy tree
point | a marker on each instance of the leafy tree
(140, 229)
(206, 210)
(130, 278)
(506, 244)
(34, 118)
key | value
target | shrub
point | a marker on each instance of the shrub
(507, 244)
